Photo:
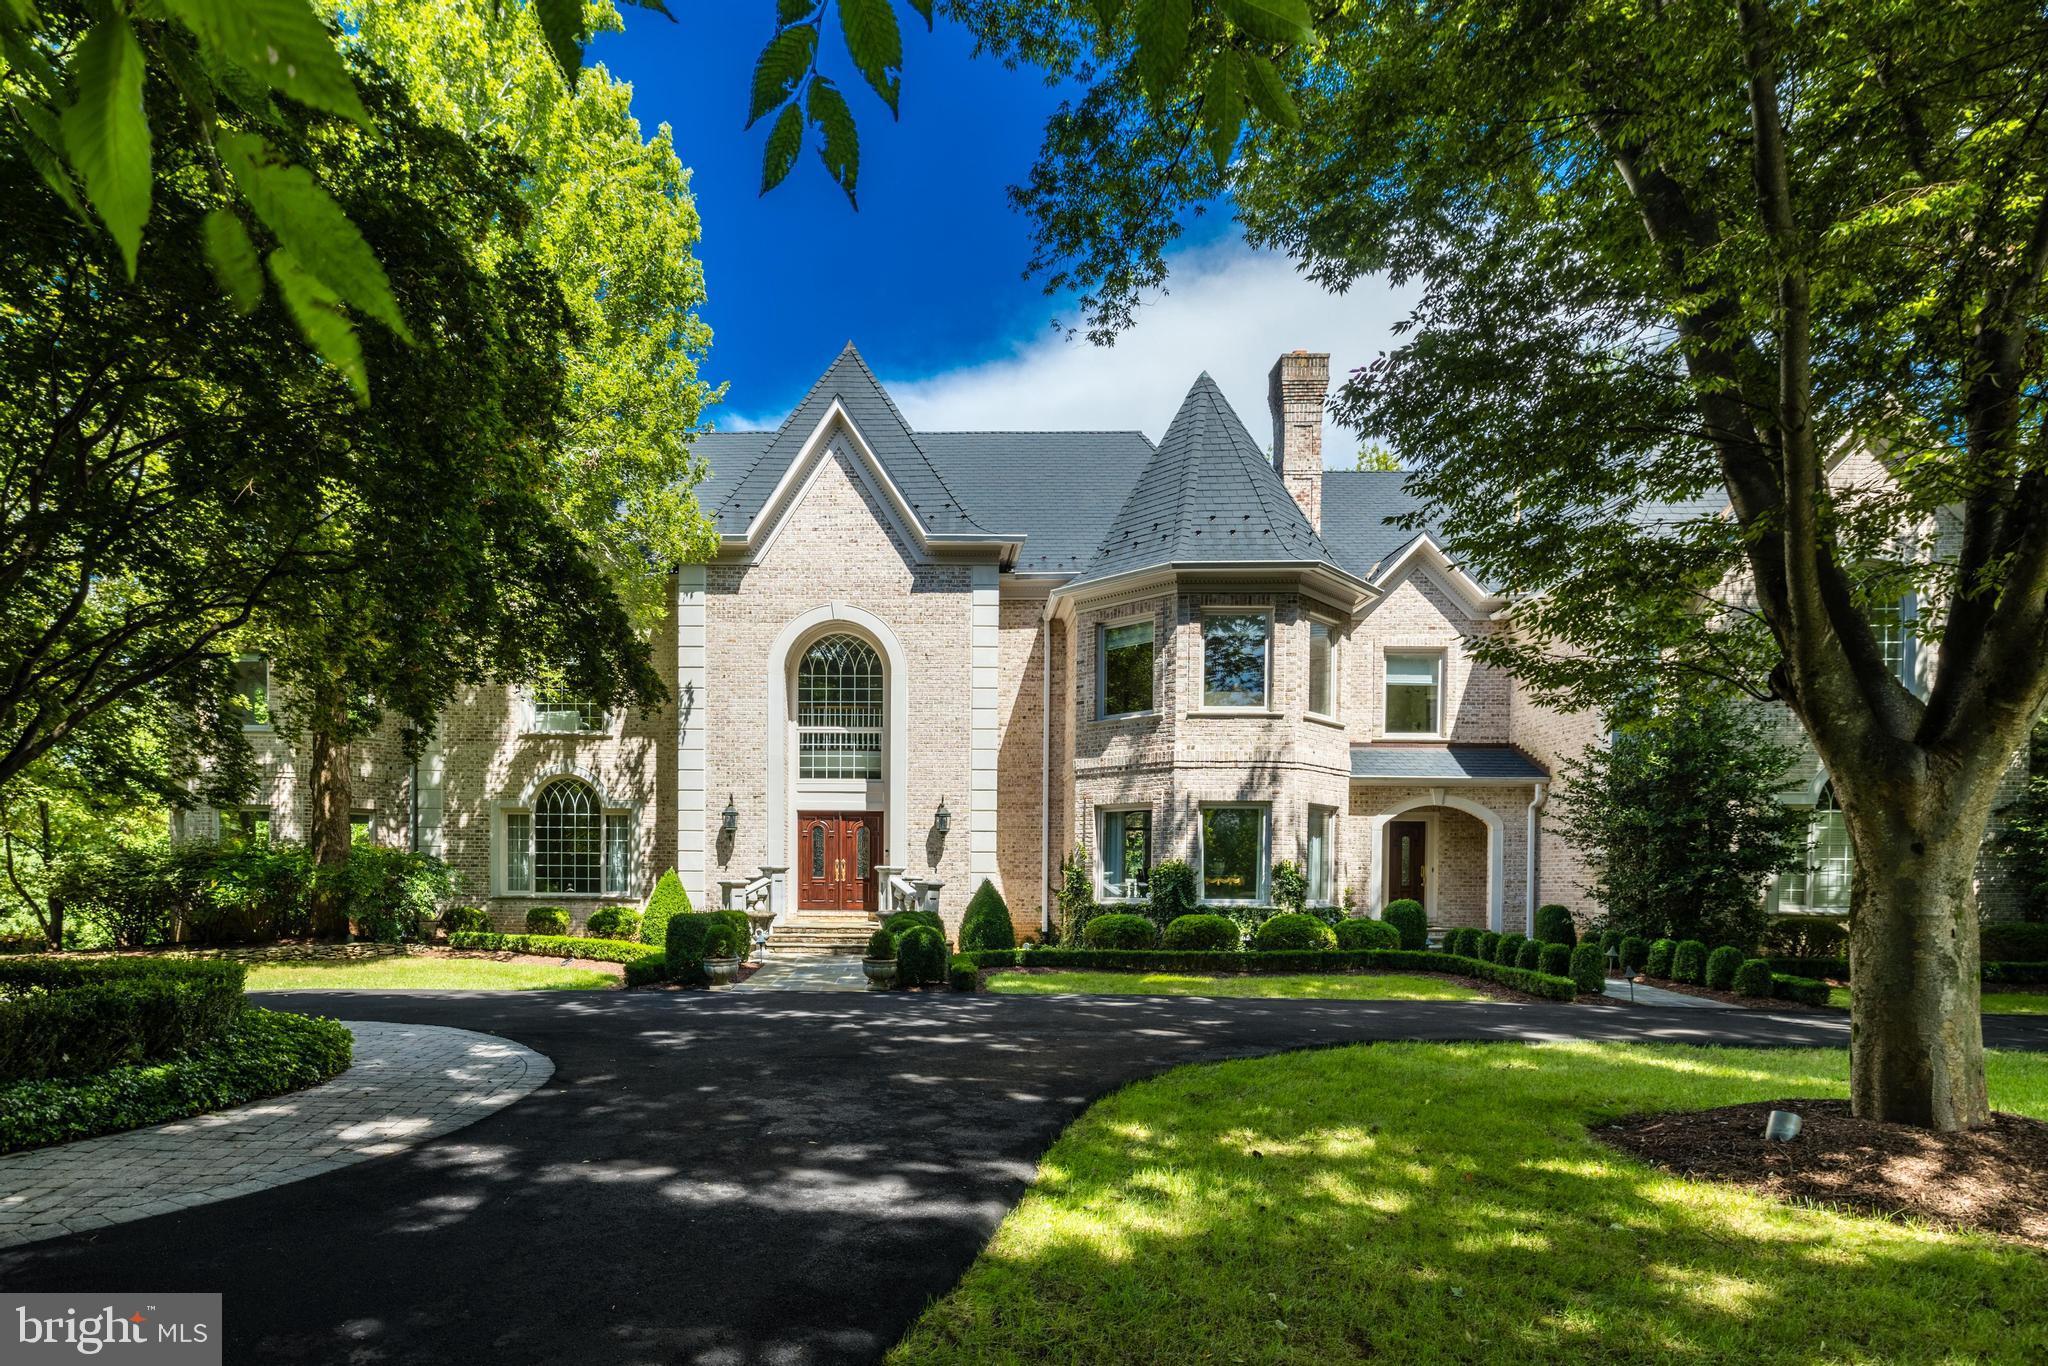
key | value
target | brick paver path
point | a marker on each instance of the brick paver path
(409, 1083)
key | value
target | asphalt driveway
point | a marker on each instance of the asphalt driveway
(730, 1178)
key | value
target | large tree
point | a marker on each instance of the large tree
(1676, 262)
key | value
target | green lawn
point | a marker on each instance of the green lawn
(445, 974)
(1386, 986)
(1994, 1002)
(1443, 1202)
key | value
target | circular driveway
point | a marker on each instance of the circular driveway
(774, 1177)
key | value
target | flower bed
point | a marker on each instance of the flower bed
(1306, 961)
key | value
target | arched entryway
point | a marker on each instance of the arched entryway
(1444, 847)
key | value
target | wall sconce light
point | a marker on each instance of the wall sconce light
(729, 820)
(943, 821)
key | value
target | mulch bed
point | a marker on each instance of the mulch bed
(1993, 1179)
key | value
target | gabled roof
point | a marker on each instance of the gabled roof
(1444, 763)
(1209, 495)
(1061, 489)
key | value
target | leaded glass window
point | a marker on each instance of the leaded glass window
(566, 826)
(839, 709)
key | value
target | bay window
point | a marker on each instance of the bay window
(1234, 853)
(1236, 647)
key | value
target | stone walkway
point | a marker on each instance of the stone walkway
(805, 974)
(409, 1083)
(1646, 995)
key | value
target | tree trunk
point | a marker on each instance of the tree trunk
(1916, 1040)
(327, 837)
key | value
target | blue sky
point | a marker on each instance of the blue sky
(925, 277)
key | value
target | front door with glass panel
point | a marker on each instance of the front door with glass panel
(836, 860)
(1407, 850)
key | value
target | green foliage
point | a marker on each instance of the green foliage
(901, 921)
(1689, 962)
(67, 1018)
(986, 924)
(1530, 952)
(2006, 942)
(921, 957)
(1805, 936)
(1483, 945)
(1510, 945)
(1753, 978)
(391, 894)
(1635, 952)
(1118, 930)
(647, 970)
(1407, 916)
(1589, 969)
(1804, 990)
(1076, 896)
(962, 974)
(475, 920)
(1610, 940)
(554, 946)
(692, 938)
(1290, 886)
(2022, 840)
(142, 895)
(881, 944)
(1173, 890)
(1306, 961)
(1658, 963)
(670, 899)
(1293, 931)
(262, 1053)
(547, 920)
(1363, 932)
(737, 939)
(1463, 941)
(608, 922)
(1554, 959)
(1722, 965)
(1554, 925)
(1199, 931)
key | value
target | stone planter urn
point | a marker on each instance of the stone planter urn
(880, 972)
(723, 972)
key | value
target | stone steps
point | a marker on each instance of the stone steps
(822, 933)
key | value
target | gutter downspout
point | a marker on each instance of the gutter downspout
(1045, 775)
(1536, 804)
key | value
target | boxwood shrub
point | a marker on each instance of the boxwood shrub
(906, 920)
(1506, 947)
(1722, 965)
(670, 899)
(1804, 990)
(547, 920)
(1589, 969)
(1554, 959)
(554, 946)
(1689, 962)
(1635, 952)
(963, 973)
(881, 944)
(692, 938)
(1484, 945)
(1554, 925)
(69, 1018)
(987, 922)
(1314, 960)
(646, 970)
(1362, 932)
(738, 937)
(467, 920)
(609, 922)
(1407, 916)
(1610, 940)
(2013, 941)
(1119, 930)
(1530, 953)
(1753, 978)
(1215, 933)
(1658, 964)
(921, 956)
(1293, 931)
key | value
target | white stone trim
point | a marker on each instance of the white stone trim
(1376, 856)
(1424, 553)
(692, 710)
(985, 644)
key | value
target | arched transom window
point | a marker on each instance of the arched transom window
(568, 844)
(839, 709)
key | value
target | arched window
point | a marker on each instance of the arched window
(839, 709)
(568, 844)
(1821, 882)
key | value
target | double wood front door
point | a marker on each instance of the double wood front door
(1407, 856)
(836, 853)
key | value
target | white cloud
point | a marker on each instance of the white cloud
(1229, 310)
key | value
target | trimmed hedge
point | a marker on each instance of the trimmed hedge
(611, 922)
(1689, 962)
(907, 920)
(1359, 932)
(692, 938)
(881, 944)
(1505, 949)
(738, 939)
(921, 956)
(1804, 990)
(1635, 951)
(1589, 969)
(1407, 916)
(1327, 960)
(1753, 978)
(1531, 953)
(962, 974)
(555, 946)
(1722, 965)
(1120, 931)
(986, 924)
(647, 970)
(1554, 925)
(70, 1018)
(1554, 960)
(1658, 964)
(1999, 973)
(2007, 941)
(1483, 946)
(1291, 931)
(1837, 968)
(670, 899)
(2016, 974)
(263, 1053)
(547, 920)
(1209, 933)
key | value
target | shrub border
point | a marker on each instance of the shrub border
(1308, 960)
(555, 946)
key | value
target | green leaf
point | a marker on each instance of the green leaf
(44, 146)
(789, 11)
(28, 57)
(561, 22)
(875, 44)
(106, 136)
(841, 150)
(319, 314)
(780, 68)
(233, 258)
(1162, 30)
(924, 11)
(785, 140)
(1223, 108)
(311, 226)
(21, 13)
(1268, 91)
(283, 43)
(1275, 21)
(1107, 12)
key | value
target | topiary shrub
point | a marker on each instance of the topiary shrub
(1610, 940)
(1360, 932)
(692, 938)
(1408, 917)
(1658, 964)
(881, 944)
(466, 920)
(1119, 930)
(547, 920)
(903, 920)
(1530, 953)
(613, 922)
(1589, 969)
(962, 974)
(1804, 990)
(1292, 931)
(1204, 933)
(1635, 951)
(1722, 965)
(1689, 962)
(1506, 947)
(1555, 959)
(1554, 925)
(987, 922)
(669, 899)
(1753, 978)
(1173, 890)
(1483, 945)
(738, 938)
(921, 956)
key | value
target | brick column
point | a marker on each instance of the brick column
(1296, 389)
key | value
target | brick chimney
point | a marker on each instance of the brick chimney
(1295, 391)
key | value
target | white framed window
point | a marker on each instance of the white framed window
(558, 710)
(839, 709)
(1124, 842)
(1123, 667)
(567, 844)
(1821, 881)
(252, 691)
(1234, 861)
(1413, 702)
(1237, 656)
(1322, 669)
(1320, 856)
(245, 827)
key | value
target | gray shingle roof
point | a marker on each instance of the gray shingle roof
(1208, 494)
(1445, 763)
(1061, 489)
(1356, 506)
